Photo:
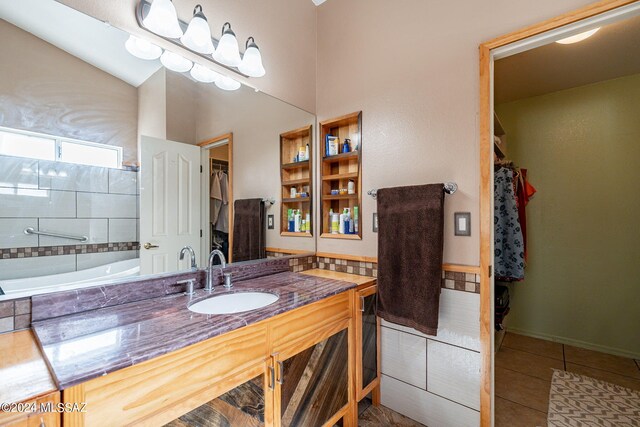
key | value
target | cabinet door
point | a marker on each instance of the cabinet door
(367, 338)
(313, 384)
(242, 406)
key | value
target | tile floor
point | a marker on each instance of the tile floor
(523, 369)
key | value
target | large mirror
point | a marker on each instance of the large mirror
(110, 164)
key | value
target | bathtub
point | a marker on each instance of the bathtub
(16, 288)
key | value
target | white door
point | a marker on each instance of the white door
(169, 204)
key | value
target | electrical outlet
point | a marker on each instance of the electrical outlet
(375, 222)
(270, 222)
(462, 223)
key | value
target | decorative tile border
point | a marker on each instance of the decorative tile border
(15, 315)
(42, 251)
(467, 282)
(302, 263)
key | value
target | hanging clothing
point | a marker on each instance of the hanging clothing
(222, 224)
(215, 195)
(524, 193)
(508, 240)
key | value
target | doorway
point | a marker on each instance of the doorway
(217, 196)
(526, 39)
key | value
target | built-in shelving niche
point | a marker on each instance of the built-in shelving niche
(337, 170)
(296, 172)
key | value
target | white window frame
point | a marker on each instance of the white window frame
(58, 140)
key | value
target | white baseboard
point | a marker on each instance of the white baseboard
(576, 343)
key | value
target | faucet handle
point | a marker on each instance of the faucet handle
(227, 281)
(190, 284)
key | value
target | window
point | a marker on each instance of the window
(33, 145)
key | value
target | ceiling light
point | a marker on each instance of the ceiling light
(198, 35)
(163, 19)
(175, 62)
(578, 37)
(251, 64)
(227, 52)
(204, 74)
(227, 83)
(142, 49)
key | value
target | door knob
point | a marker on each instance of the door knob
(150, 246)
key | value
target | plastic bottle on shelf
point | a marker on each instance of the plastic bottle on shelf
(308, 229)
(290, 220)
(297, 221)
(355, 220)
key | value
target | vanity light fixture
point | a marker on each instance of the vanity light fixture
(163, 19)
(198, 35)
(204, 74)
(578, 37)
(227, 83)
(143, 49)
(251, 64)
(175, 62)
(227, 52)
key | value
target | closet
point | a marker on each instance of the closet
(512, 192)
(219, 205)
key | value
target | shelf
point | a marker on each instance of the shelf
(296, 181)
(341, 157)
(340, 236)
(342, 197)
(294, 234)
(339, 176)
(296, 165)
(297, 200)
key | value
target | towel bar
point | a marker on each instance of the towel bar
(270, 201)
(31, 230)
(449, 188)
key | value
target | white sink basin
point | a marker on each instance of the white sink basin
(234, 303)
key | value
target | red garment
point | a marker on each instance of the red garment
(524, 193)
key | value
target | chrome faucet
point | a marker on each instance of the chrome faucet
(223, 263)
(189, 249)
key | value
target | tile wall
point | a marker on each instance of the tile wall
(99, 203)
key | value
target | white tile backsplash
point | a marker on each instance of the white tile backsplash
(424, 407)
(123, 181)
(454, 373)
(34, 203)
(71, 177)
(95, 229)
(457, 322)
(123, 230)
(12, 232)
(101, 258)
(18, 172)
(18, 268)
(404, 357)
(97, 205)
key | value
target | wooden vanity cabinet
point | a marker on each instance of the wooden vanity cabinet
(35, 419)
(211, 378)
(367, 331)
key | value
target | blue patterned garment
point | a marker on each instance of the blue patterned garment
(509, 244)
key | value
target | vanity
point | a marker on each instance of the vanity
(304, 360)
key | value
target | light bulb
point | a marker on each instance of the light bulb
(251, 64)
(162, 19)
(141, 48)
(227, 52)
(578, 37)
(175, 62)
(204, 74)
(227, 83)
(198, 35)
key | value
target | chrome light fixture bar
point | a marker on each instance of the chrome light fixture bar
(249, 68)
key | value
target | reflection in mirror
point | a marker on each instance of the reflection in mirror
(100, 156)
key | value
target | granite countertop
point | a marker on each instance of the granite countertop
(83, 346)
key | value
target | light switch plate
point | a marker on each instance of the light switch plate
(375, 222)
(462, 223)
(270, 222)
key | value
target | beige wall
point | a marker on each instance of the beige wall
(181, 108)
(581, 149)
(412, 67)
(44, 89)
(152, 106)
(256, 120)
(285, 31)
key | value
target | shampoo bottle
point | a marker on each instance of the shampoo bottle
(297, 221)
(355, 219)
(290, 220)
(308, 229)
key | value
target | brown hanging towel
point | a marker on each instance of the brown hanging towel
(410, 239)
(248, 230)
